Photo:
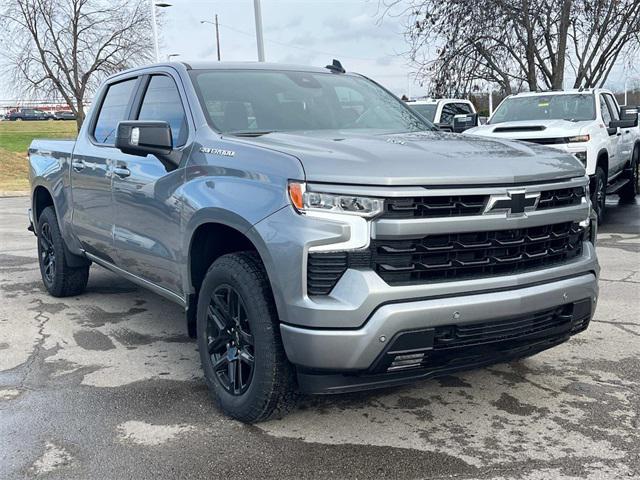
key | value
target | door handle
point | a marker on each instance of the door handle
(77, 165)
(122, 171)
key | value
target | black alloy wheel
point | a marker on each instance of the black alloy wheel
(230, 341)
(599, 197)
(47, 253)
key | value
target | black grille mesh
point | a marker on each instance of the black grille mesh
(437, 258)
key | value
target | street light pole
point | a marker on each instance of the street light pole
(154, 26)
(155, 30)
(217, 37)
(258, 14)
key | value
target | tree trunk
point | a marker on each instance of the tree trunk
(79, 114)
(563, 31)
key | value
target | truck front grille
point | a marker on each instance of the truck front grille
(470, 205)
(461, 256)
(451, 257)
(429, 207)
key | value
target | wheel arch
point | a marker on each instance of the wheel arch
(207, 241)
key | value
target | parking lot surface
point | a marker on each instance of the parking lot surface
(108, 385)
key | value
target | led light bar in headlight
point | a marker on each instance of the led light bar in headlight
(306, 201)
(578, 139)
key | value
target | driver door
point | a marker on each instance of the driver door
(146, 196)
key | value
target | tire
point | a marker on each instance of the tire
(630, 190)
(18, 119)
(59, 279)
(599, 194)
(239, 339)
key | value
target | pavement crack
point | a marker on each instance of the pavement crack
(42, 320)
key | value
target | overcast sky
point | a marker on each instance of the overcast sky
(308, 32)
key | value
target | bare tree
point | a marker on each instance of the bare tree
(516, 43)
(66, 47)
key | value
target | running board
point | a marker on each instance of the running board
(614, 187)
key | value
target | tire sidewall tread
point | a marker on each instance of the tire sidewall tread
(272, 389)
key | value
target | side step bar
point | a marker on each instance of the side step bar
(614, 187)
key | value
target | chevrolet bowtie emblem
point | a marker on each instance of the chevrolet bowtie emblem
(515, 203)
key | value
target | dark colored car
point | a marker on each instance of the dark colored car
(28, 114)
(63, 115)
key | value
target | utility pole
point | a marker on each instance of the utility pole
(258, 14)
(155, 30)
(217, 36)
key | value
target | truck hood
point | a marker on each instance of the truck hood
(527, 129)
(422, 158)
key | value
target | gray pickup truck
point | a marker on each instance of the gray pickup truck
(320, 236)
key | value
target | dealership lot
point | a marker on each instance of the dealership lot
(107, 385)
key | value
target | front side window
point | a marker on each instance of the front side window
(604, 108)
(613, 109)
(572, 107)
(162, 102)
(114, 109)
(258, 101)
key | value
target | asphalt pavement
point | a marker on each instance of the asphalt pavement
(107, 385)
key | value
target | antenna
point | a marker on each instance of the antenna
(336, 67)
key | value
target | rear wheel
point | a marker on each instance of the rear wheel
(599, 194)
(630, 190)
(242, 356)
(59, 279)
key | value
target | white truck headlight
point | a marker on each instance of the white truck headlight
(306, 201)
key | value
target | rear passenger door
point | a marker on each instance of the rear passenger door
(92, 166)
(147, 202)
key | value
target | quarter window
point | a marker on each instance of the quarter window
(113, 110)
(162, 102)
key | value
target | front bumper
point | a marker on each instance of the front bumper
(357, 349)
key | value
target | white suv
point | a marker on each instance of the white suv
(588, 123)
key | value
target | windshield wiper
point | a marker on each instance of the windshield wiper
(250, 133)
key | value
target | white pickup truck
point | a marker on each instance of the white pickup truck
(588, 123)
(449, 114)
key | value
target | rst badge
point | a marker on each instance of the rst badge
(515, 203)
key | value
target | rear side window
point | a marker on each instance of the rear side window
(463, 108)
(448, 111)
(114, 109)
(162, 102)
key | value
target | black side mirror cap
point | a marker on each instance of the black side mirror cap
(144, 137)
(628, 122)
(464, 122)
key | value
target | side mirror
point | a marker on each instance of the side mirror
(142, 138)
(627, 122)
(464, 122)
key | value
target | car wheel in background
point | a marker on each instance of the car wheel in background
(59, 279)
(599, 194)
(630, 190)
(243, 359)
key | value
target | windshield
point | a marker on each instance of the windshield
(573, 107)
(259, 101)
(424, 110)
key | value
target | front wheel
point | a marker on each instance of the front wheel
(630, 190)
(599, 194)
(242, 356)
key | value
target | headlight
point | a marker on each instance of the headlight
(578, 139)
(306, 201)
(582, 156)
